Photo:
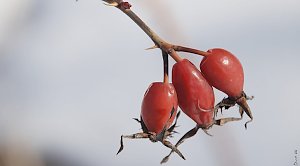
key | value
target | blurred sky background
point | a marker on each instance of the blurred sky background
(73, 74)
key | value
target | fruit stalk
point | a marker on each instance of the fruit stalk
(166, 66)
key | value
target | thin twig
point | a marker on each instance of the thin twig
(190, 50)
(158, 41)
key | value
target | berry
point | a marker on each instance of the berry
(223, 71)
(195, 95)
(159, 100)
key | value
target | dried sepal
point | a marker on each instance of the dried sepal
(243, 107)
(187, 135)
(153, 137)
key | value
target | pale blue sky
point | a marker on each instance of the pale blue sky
(72, 77)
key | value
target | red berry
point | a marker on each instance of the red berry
(195, 95)
(159, 100)
(159, 108)
(223, 71)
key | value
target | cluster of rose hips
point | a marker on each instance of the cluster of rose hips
(191, 90)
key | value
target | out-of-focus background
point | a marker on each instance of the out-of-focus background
(73, 74)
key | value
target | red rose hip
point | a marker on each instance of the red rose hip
(225, 72)
(158, 111)
(195, 95)
(159, 100)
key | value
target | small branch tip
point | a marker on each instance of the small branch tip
(125, 5)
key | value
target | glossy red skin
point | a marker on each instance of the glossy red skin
(223, 71)
(158, 102)
(195, 95)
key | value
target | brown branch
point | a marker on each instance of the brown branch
(159, 42)
(190, 50)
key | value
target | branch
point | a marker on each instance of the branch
(158, 41)
(190, 50)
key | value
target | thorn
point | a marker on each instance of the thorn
(153, 47)
(114, 4)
